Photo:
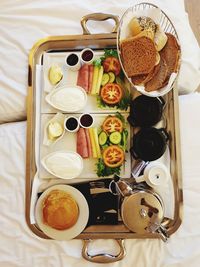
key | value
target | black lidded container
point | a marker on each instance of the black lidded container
(149, 144)
(145, 111)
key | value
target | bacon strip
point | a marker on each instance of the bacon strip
(91, 73)
(83, 77)
(89, 146)
(82, 148)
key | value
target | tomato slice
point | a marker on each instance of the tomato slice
(111, 93)
(113, 156)
(112, 64)
(112, 124)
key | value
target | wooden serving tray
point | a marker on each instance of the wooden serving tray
(98, 42)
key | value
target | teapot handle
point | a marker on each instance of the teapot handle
(140, 179)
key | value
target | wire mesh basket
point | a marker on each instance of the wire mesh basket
(166, 25)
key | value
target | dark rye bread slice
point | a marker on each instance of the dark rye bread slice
(159, 78)
(171, 54)
(144, 78)
(138, 79)
(138, 55)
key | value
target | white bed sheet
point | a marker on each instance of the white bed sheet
(23, 22)
(20, 248)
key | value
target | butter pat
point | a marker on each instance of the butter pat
(55, 74)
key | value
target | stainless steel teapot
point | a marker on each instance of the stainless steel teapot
(142, 210)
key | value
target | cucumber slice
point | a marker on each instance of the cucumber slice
(119, 81)
(115, 138)
(111, 77)
(105, 79)
(102, 138)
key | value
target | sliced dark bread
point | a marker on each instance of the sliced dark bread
(138, 55)
(159, 78)
(138, 79)
(171, 54)
(144, 78)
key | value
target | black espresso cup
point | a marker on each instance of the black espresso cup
(145, 111)
(149, 144)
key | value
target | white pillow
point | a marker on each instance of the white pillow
(26, 22)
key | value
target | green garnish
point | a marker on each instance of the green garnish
(103, 170)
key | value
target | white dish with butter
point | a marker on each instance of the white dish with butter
(63, 164)
(67, 98)
(54, 129)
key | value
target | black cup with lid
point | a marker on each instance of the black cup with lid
(145, 111)
(149, 143)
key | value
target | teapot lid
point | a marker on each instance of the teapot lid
(141, 210)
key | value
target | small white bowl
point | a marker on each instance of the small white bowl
(85, 126)
(67, 129)
(83, 56)
(73, 61)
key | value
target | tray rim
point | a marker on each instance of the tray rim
(30, 166)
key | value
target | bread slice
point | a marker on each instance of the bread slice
(138, 55)
(138, 79)
(159, 78)
(144, 78)
(171, 54)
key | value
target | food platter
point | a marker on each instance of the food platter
(44, 137)
(69, 141)
(69, 78)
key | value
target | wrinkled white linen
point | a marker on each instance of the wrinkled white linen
(24, 22)
(19, 247)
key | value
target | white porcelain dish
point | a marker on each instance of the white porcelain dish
(82, 218)
(67, 98)
(47, 141)
(63, 164)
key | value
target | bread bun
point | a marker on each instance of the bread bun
(148, 33)
(160, 38)
(60, 210)
(139, 24)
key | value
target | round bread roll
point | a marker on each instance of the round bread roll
(137, 25)
(160, 38)
(60, 210)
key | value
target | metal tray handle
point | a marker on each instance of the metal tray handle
(98, 17)
(103, 258)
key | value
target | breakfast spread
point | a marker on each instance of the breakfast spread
(96, 127)
(60, 210)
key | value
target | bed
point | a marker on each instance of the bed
(22, 24)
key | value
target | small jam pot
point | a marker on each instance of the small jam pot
(87, 56)
(86, 120)
(71, 124)
(73, 61)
